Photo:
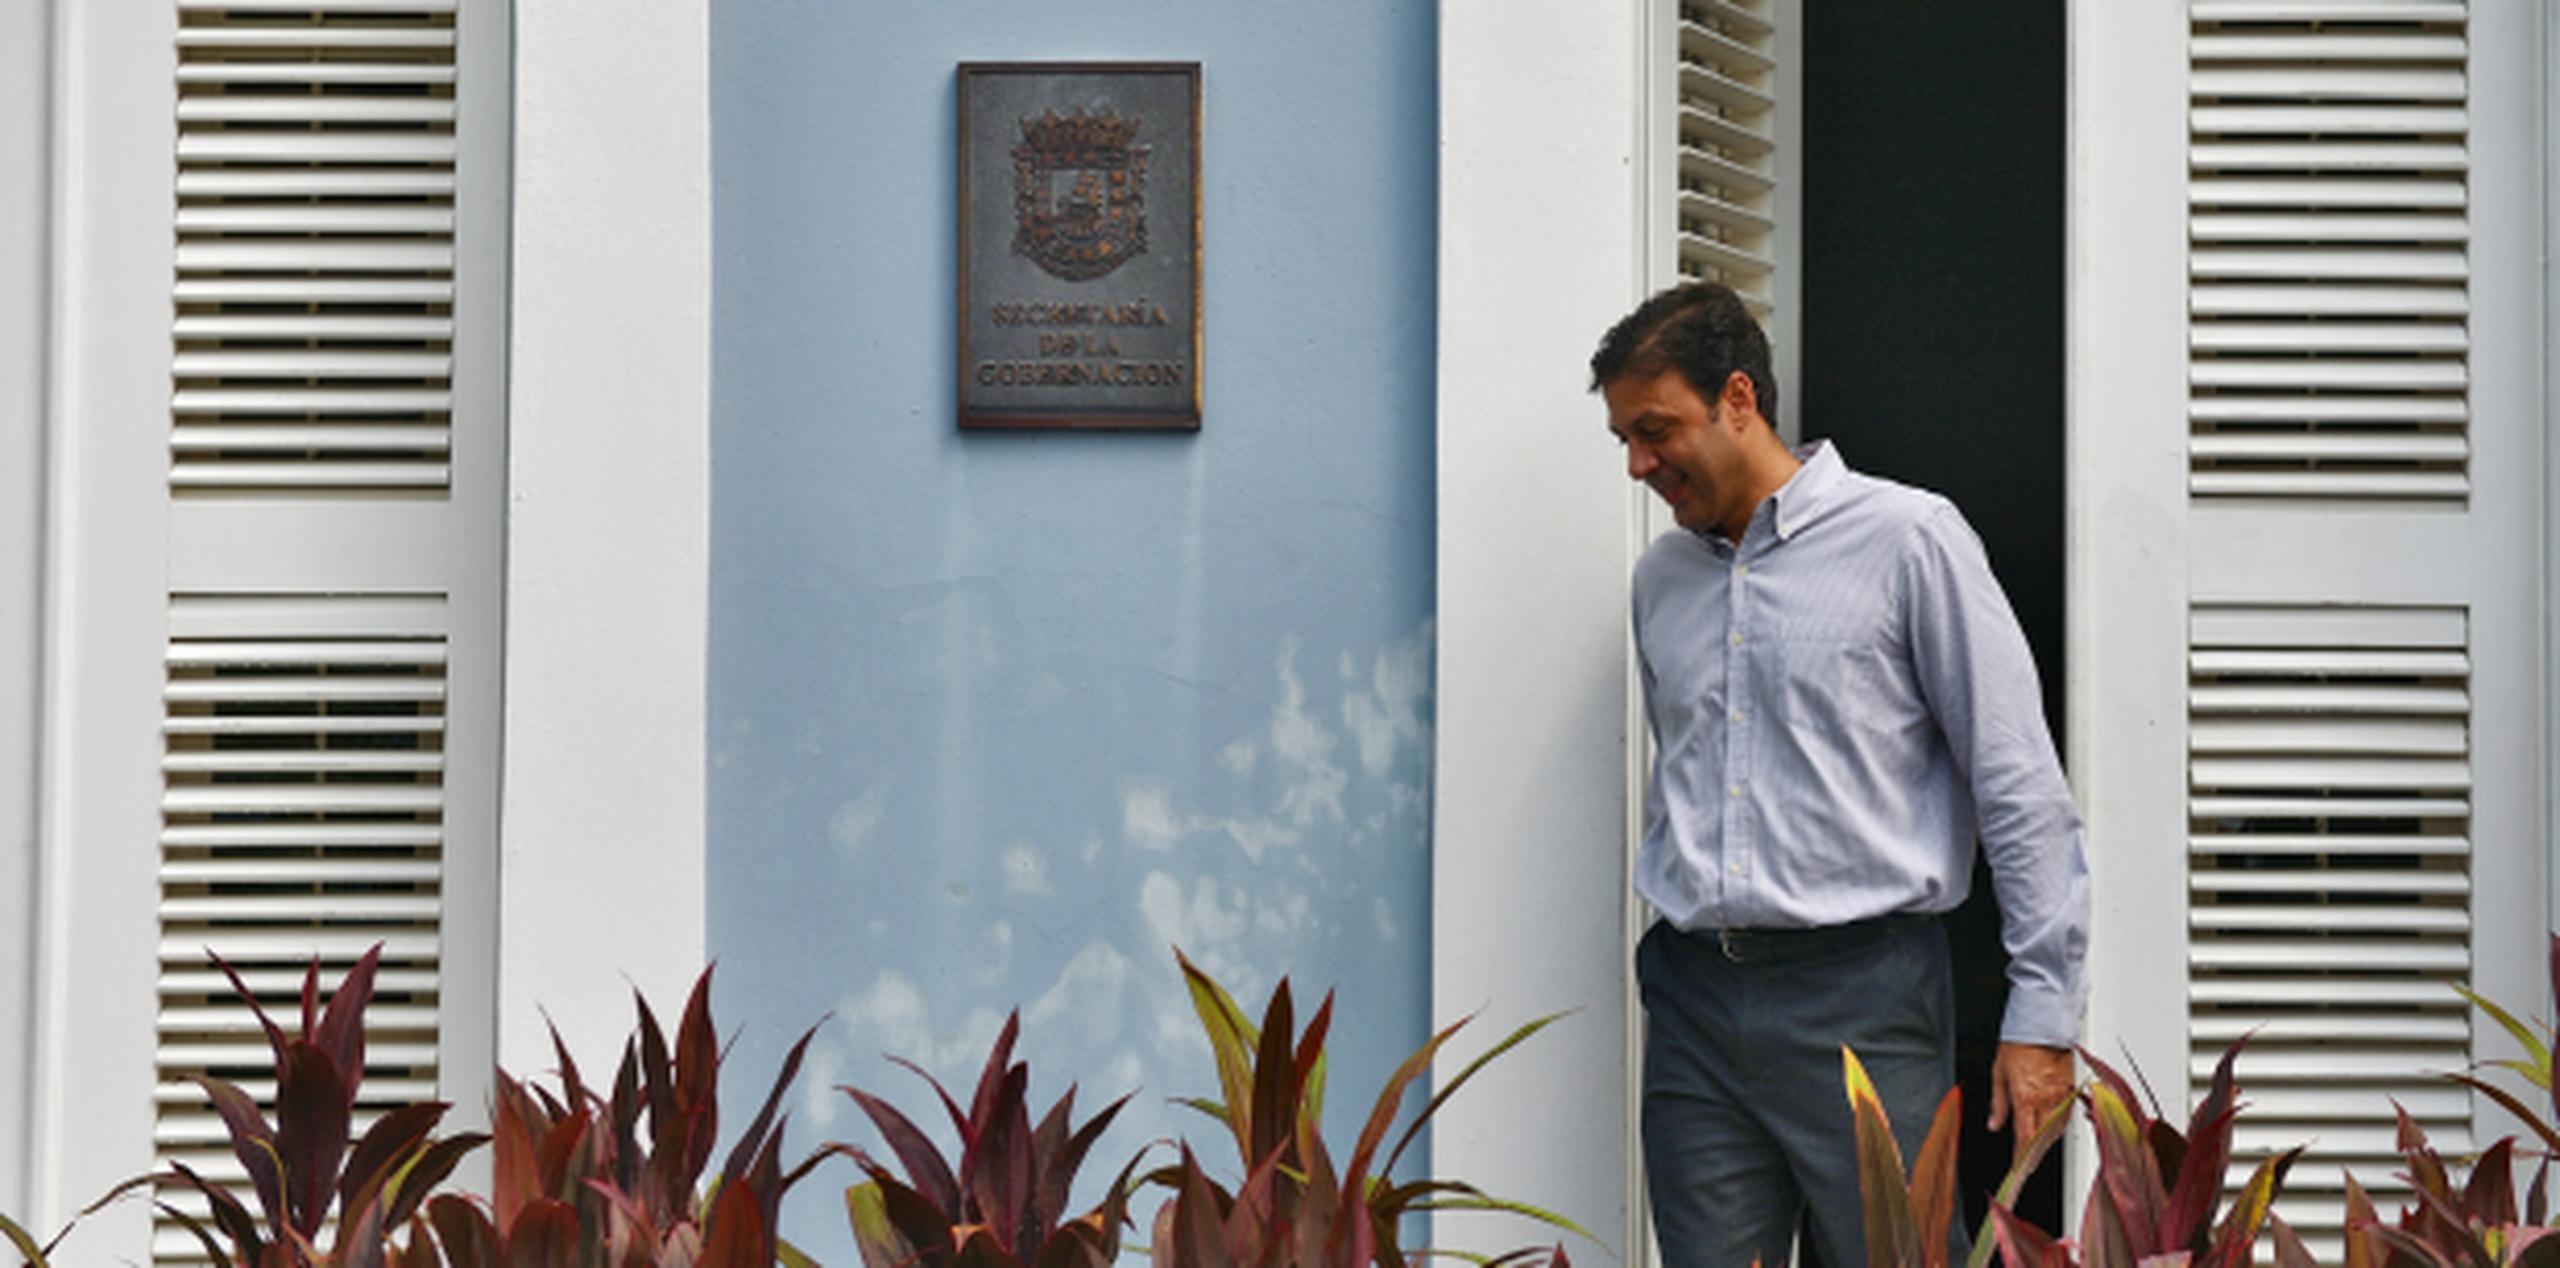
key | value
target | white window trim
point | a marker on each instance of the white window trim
(601, 868)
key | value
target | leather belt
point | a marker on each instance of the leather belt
(1779, 946)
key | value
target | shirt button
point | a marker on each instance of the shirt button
(1740, 868)
(1733, 790)
(1742, 569)
(1737, 639)
(1737, 715)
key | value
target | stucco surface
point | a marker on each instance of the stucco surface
(997, 720)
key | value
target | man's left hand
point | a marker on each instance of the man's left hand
(2027, 1082)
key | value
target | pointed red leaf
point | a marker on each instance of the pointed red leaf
(1933, 1179)
(341, 1029)
(433, 1166)
(275, 1034)
(1272, 1115)
(555, 1156)
(967, 1130)
(2363, 1250)
(2198, 1191)
(464, 1231)
(753, 1140)
(253, 1142)
(233, 1218)
(1058, 1172)
(2490, 1197)
(361, 1239)
(926, 1171)
(697, 1058)
(382, 1150)
(514, 1152)
(312, 1119)
(2290, 1252)
(982, 1105)
(738, 1236)
(2022, 1244)
(544, 1235)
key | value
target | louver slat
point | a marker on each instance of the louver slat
(2329, 252)
(315, 250)
(2329, 885)
(302, 815)
(1727, 114)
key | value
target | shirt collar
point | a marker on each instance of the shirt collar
(1813, 489)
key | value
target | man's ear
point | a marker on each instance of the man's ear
(1738, 398)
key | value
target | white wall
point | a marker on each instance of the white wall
(600, 872)
(24, 58)
(1540, 250)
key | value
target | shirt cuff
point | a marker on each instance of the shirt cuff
(2039, 1014)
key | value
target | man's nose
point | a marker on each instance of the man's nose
(1640, 460)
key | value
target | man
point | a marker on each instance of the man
(1841, 703)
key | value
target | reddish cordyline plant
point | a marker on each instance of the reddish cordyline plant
(1293, 1208)
(1908, 1218)
(307, 1163)
(2154, 1199)
(2475, 1225)
(589, 1180)
(2139, 1152)
(2157, 1192)
(1006, 1202)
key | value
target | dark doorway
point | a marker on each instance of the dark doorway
(1931, 341)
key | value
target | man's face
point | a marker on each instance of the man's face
(1682, 447)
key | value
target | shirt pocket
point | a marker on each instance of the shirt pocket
(1832, 686)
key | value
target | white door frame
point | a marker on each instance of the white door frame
(608, 535)
(25, 112)
(1542, 246)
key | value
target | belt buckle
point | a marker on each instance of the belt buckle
(1724, 943)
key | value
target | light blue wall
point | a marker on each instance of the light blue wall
(998, 718)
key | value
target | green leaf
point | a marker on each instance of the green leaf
(1541, 1214)
(874, 1233)
(1382, 1115)
(2537, 1049)
(2249, 1210)
(26, 1243)
(2015, 1182)
(1509, 1042)
(1232, 1040)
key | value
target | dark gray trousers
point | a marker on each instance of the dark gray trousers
(1747, 1127)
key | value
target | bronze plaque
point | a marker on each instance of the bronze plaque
(1080, 244)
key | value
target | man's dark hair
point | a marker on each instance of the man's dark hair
(1700, 329)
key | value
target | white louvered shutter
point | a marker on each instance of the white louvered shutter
(1728, 135)
(2329, 263)
(2329, 881)
(334, 502)
(2358, 628)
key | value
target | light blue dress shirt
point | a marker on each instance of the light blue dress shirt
(1840, 705)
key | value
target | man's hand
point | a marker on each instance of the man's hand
(2027, 1081)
